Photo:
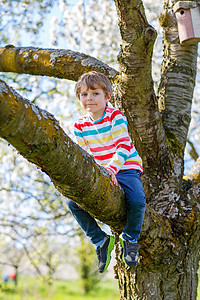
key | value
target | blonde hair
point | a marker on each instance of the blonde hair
(93, 80)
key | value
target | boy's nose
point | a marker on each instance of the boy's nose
(89, 96)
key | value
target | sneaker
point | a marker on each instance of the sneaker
(130, 253)
(104, 252)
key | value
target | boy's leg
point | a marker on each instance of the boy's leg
(87, 223)
(135, 198)
(104, 243)
(132, 185)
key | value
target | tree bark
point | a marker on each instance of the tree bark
(50, 62)
(168, 266)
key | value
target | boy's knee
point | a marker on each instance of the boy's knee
(137, 202)
(71, 205)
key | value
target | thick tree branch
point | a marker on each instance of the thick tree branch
(36, 134)
(137, 98)
(50, 62)
(176, 88)
(193, 153)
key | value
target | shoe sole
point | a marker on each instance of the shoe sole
(122, 244)
(110, 248)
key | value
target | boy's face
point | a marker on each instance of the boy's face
(93, 101)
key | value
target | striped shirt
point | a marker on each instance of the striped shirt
(108, 141)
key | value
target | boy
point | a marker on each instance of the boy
(104, 133)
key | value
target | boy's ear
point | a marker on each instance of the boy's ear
(108, 98)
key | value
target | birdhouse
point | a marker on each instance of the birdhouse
(188, 19)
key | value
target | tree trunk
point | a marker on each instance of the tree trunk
(162, 282)
(169, 256)
(168, 267)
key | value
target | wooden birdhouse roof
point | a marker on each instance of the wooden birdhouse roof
(185, 5)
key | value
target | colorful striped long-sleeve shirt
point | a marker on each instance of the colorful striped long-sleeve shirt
(107, 139)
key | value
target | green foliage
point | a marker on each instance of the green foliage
(34, 289)
(87, 265)
(198, 289)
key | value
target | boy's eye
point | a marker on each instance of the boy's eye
(84, 94)
(96, 93)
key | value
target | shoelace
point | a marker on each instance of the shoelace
(132, 252)
(132, 249)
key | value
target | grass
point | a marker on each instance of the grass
(198, 289)
(35, 289)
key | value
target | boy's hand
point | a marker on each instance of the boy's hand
(113, 177)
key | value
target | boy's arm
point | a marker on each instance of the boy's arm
(81, 142)
(122, 142)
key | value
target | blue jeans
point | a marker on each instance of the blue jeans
(131, 183)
